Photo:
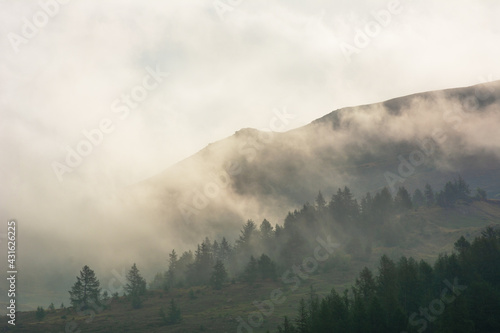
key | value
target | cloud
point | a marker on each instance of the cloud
(223, 75)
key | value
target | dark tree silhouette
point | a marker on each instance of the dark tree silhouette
(219, 275)
(86, 290)
(135, 287)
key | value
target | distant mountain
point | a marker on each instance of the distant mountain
(409, 141)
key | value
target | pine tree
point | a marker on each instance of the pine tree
(418, 198)
(287, 327)
(51, 307)
(86, 289)
(135, 287)
(219, 275)
(174, 313)
(365, 286)
(216, 250)
(382, 205)
(172, 269)
(40, 313)
(429, 195)
(302, 320)
(387, 284)
(402, 200)
(225, 250)
(244, 242)
(267, 268)
(266, 230)
(376, 316)
(320, 201)
(250, 273)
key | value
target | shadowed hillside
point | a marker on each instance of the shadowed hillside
(410, 141)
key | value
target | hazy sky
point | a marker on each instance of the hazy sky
(229, 65)
(152, 82)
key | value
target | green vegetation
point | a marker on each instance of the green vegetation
(461, 293)
(173, 316)
(86, 290)
(40, 313)
(222, 281)
(135, 287)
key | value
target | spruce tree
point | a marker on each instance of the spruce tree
(135, 287)
(418, 198)
(251, 270)
(320, 201)
(429, 195)
(174, 313)
(172, 269)
(40, 313)
(219, 275)
(267, 268)
(402, 201)
(86, 289)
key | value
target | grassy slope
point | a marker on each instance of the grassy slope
(428, 232)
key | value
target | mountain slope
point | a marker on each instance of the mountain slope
(427, 232)
(421, 138)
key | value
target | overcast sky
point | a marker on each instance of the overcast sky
(230, 65)
(153, 82)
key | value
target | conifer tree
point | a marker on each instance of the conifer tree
(251, 270)
(40, 313)
(135, 287)
(174, 313)
(418, 198)
(429, 195)
(219, 275)
(86, 290)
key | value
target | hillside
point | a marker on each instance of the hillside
(410, 141)
(425, 232)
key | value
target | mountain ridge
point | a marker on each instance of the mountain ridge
(256, 174)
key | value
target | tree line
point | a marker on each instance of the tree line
(460, 293)
(262, 252)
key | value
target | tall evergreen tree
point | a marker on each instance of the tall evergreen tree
(172, 269)
(40, 313)
(382, 205)
(302, 320)
(174, 313)
(387, 284)
(365, 285)
(86, 290)
(266, 230)
(320, 201)
(429, 195)
(219, 275)
(418, 198)
(266, 266)
(402, 200)
(135, 287)
(225, 250)
(251, 271)
(244, 242)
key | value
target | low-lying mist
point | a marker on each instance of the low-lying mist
(250, 175)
